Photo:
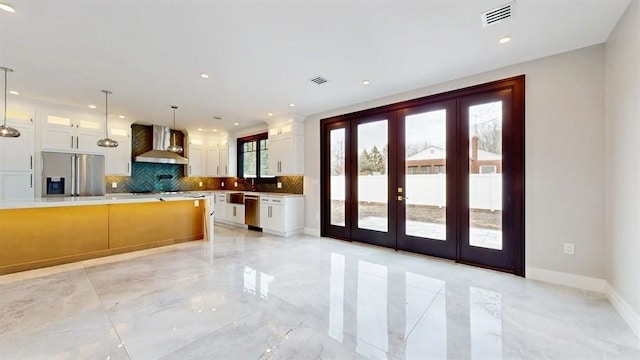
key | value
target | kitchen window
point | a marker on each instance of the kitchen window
(253, 157)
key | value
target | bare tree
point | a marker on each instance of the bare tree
(416, 147)
(489, 136)
(338, 157)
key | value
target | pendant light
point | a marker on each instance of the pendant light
(6, 131)
(106, 142)
(173, 147)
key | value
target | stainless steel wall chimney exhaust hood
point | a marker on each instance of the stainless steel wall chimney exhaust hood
(158, 154)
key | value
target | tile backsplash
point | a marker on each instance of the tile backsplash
(170, 177)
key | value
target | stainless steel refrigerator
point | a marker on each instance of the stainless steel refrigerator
(66, 174)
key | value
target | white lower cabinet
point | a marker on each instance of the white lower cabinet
(235, 213)
(220, 207)
(282, 215)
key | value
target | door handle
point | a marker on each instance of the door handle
(401, 198)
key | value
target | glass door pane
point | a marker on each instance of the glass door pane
(338, 182)
(425, 179)
(485, 175)
(373, 175)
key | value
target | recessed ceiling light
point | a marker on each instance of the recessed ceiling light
(92, 106)
(6, 7)
(121, 116)
(199, 129)
(13, 92)
(236, 124)
(366, 82)
(214, 130)
(505, 40)
(292, 105)
(270, 114)
(204, 76)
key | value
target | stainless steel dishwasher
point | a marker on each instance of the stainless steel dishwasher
(252, 210)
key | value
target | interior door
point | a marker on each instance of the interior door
(426, 173)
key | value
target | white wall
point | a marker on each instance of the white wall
(564, 156)
(622, 84)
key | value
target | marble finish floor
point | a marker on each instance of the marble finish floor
(246, 295)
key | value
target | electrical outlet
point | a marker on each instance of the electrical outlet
(569, 248)
(279, 185)
(222, 184)
(200, 184)
(114, 185)
(196, 203)
(235, 184)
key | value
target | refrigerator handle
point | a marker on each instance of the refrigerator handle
(73, 174)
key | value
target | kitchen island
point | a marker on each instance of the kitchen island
(51, 231)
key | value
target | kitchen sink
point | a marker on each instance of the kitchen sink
(235, 198)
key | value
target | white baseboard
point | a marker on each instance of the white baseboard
(628, 314)
(566, 279)
(312, 232)
(592, 284)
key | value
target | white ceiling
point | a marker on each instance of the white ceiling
(260, 54)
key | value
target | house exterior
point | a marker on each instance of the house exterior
(432, 160)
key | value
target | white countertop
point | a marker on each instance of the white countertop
(120, 198)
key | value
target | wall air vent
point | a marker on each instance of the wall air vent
(498, 14)
(319, 80)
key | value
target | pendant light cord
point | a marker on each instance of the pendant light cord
(106, 114)
(174, 125)
(5, 98)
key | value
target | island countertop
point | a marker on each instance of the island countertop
(121, 198)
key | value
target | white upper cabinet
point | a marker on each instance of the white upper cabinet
(225, 169)
(118, 159)
(17, 158)
(213, 161)
(286, 148)
(196, 154)
(17, 154)
(77, 133)
(217, 158)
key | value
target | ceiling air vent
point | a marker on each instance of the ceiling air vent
(498, 14)
(319, 80)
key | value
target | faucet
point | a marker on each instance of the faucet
(251, 181)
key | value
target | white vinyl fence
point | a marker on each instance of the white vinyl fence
(422, 189)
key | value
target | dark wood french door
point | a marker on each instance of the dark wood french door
(441, 175)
